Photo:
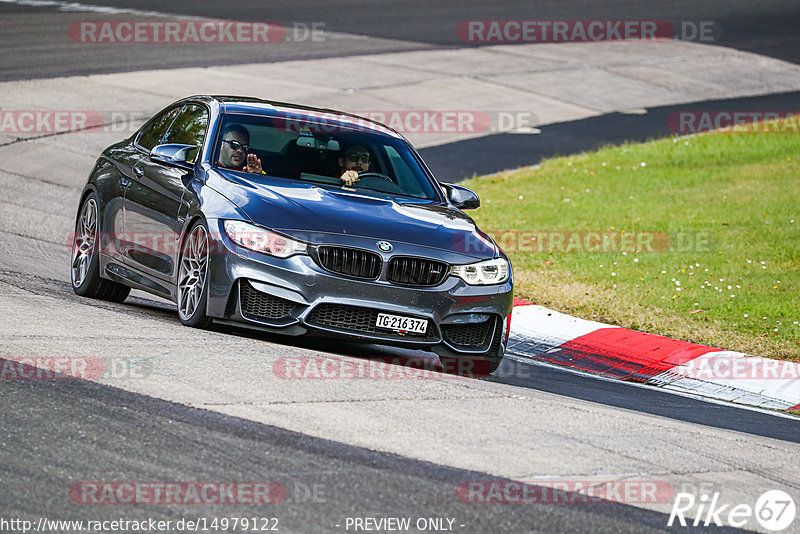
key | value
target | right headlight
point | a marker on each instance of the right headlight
(483, 273)
(262, 240)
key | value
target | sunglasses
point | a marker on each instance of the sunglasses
(236, 145)
(355, 157)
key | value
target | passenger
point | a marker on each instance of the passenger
(234, 150)
(355, 159)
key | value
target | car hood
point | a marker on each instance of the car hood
(302, 209)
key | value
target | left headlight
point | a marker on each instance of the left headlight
(483, 273)
(261, 240)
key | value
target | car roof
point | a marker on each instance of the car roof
(257, 106)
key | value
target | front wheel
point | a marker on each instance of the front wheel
(193, 277)
(85, 260)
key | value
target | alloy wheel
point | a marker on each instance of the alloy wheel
(84, 241)
(193, 271)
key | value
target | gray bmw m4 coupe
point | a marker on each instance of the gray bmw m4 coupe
(293, 220)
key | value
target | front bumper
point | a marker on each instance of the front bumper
(295, 295)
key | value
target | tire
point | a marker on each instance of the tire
(84, 259)
(193, 277)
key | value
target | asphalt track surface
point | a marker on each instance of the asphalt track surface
(36, 45)
(56, 433)
(475, 157)
(326, 481)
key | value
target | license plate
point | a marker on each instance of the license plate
(398, 323)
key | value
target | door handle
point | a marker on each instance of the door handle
(138, 171)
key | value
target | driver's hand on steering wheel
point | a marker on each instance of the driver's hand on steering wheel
(350, 177)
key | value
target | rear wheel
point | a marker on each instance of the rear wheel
(85, 264)
(193, 278)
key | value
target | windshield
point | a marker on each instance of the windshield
(310, 149)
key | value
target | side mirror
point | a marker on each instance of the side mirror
(461, 197)
(173, 154)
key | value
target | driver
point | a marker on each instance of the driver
(234, 148)
(355, 159)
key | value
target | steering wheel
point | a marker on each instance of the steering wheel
(379, 182)
(373, 175)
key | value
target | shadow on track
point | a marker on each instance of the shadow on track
(458, 161)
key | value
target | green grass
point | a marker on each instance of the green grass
(728, 204)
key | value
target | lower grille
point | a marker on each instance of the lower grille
(258, 305)
(417, 271)
(349, 261)
(361, 320)
(473, 335)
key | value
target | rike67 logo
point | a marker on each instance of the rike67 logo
(774, 510)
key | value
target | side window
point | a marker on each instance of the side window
(154, 132)
(189, 128)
